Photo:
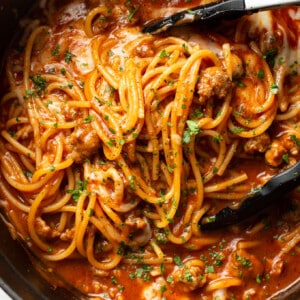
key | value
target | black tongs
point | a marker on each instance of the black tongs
(216, 10)
(274, 190)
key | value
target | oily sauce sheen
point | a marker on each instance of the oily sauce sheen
(115, 143)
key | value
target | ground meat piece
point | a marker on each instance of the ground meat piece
(144, 50)
(100, 25)
(274, 155)
(68, 235)
(139, 230)
(153, 291)
(116, 13)
(290, 142)
(214, 82)
(67, 12)
(99, 272)
(259, 143)
(126, 14)
(277, 266)
(135, 223)
(237, 66)
(249, 294)
(286, 144)
(45, 230)
(244, 265)
(83, 142)
(190, 276)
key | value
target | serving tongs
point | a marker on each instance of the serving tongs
(215, 10)
(255, 202)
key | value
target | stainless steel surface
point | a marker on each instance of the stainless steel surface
(258, 4)
(3, 295)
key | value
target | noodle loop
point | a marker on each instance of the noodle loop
(115, 143)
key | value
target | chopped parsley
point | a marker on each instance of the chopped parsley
(215, 170)
(81, 186)
(132, 182)
(285, 158)
(91, 213)
(121, 249)
(163, 288)
(114, 280)
(178, 261)
(29, 93)
(56, 51)
(162, 268)
(132, 12)
(218, 138)
(274, 89)
(52, 168)
(188, 276)
(269, 56)
(295, 140)
(209, 269)
(88, 119)
(68, 56)
(243, 261)
(39, 82)
(260, 74)
(237, 130)
(192, 129)
(258, 279)
(27, 173)
(102, 19)
(142, 273)
(186, 48)
(121, 142)
(240, 83)
(196, 114)
(164, 53)
(210, 219)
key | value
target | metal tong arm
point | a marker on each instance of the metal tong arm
(212, 11)
(272, 191)
(202, 12)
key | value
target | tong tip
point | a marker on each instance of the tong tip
(159, 25)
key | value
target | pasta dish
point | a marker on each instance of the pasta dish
(115, 143)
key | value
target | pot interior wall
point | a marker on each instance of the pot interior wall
(18, 277)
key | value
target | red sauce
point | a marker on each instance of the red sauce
(253, 265)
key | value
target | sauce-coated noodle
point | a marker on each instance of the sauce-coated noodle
(115, 143)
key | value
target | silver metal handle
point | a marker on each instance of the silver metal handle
(265, 4)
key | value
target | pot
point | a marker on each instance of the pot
(19, 277)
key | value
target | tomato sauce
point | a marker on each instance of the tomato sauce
(255, 255)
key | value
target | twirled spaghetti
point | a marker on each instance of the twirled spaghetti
(115, 143)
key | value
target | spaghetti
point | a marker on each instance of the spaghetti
(115, 143)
